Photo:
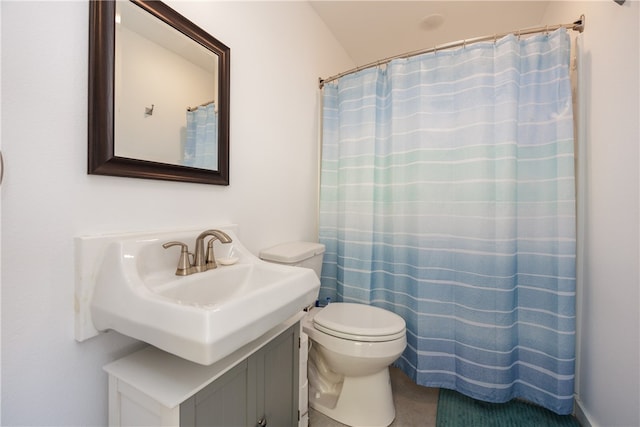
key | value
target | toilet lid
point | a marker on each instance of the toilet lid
(359, 322)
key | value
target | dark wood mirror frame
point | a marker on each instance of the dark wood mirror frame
(102, 160)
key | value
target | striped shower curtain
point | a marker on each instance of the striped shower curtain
(447, 197)
(201, 147)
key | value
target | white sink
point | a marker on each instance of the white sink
(202, 317)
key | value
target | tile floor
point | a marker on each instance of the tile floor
(415, 405)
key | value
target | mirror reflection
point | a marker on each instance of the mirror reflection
(166, 94)
(159, 101)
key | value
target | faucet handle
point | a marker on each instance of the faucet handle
(184, 265)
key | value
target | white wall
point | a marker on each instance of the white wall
(278, 51)
(156, 76)
(608, 379)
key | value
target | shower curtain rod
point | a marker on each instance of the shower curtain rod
(575, 26)
(201, 105)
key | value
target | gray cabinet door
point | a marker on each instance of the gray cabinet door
(261, 389)
(223, 403)
(277, 380)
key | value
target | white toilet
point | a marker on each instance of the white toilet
(352, 346)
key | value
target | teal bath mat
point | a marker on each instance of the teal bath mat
(458, 410)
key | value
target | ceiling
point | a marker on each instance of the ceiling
(373, 30)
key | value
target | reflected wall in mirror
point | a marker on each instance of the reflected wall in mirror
(158, 95)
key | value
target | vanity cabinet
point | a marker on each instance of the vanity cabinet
(255, 386)
(260, 390)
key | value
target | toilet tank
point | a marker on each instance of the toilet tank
(300, 254)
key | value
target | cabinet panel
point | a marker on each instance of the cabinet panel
(221, 404)
(278, 376)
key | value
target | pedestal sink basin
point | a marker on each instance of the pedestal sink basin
(202, 317)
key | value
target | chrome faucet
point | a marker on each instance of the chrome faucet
(208, 262)
(201, 261)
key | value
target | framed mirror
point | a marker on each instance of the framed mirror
(158, 95)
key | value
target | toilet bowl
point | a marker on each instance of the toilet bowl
(352, 346)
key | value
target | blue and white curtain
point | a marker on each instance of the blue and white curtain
(201, 147)
(447, 196)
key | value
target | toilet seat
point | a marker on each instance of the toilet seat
(359, 322)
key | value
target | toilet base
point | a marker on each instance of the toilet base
(363, 401)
